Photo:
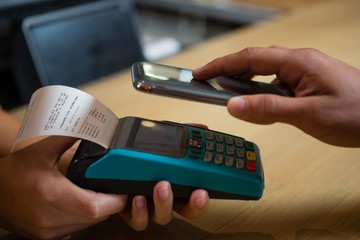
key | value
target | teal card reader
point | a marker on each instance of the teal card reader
(144, 152)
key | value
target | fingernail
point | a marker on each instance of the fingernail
(197, 69)
(240, 103)
(200, 202)
(164, 192)
(140, 201)
(238, 106)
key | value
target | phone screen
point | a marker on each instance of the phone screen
(165, 73)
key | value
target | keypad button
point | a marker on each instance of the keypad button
(240, 163)
(219, 137)
(230, 150)
(251, 156)
(194, 131)
(239, 143)
(195, 143)
(209, 146)
(251, 166)
(219, 148)
(219, 158)
(249, 145)
(209, 135)
(229, 140)
(196, 136)
(229, 161)
(208, 156)
(240, 152)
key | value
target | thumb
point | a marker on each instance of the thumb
(53, 147)
(267, 109)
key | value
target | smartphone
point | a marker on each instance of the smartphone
(178, 82)
(144, 152)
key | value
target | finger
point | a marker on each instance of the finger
(66, 158)
(263, 61)
(278, 46)
(58, 143)
(85, 203)
(197, 204)
(287, 64)
(267, 109)
(51, 148)
(58, 221)
(163, 202)
(244, 76)
(138, 216)
(199, 125)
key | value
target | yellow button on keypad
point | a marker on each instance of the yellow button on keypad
(251, 156)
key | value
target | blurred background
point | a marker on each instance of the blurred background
(70, 42)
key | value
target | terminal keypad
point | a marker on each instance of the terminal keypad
(222, 149)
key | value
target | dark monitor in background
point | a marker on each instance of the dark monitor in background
(76, 45)
(12, 13)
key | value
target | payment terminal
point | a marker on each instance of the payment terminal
(144, 152)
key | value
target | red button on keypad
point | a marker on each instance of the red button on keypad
(251, 166)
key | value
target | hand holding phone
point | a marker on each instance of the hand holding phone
(178, 82)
